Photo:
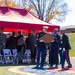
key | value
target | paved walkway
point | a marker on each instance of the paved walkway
(27, 70)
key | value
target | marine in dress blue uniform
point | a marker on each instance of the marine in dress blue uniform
(41, 46)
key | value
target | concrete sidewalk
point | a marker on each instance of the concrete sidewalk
(27, 70)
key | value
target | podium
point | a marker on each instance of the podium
(47, 38)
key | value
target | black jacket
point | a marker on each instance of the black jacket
(40, 44)
(33, 39)
(66, 43)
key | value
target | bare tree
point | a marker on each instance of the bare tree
(47, 9)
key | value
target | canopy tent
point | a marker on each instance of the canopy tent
(16, 19)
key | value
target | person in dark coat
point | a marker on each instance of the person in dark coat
(20, 44)
(28, 41)
(17, 38)
(12, 41)
(33, 44)
(2, 40)
(66, 49)
(7, 40)
(54, 48)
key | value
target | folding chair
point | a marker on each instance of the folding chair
(1, 59)
(28, 56)
(8, 57)
(15, 57)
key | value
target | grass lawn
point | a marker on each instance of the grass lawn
(72, 43)
(4, 71)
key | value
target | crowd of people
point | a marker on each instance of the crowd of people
(59, 46)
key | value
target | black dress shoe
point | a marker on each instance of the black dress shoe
(63, 69)
(69, 66)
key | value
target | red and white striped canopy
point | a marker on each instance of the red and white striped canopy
(13, 19)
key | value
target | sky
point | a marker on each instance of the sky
(70, 18)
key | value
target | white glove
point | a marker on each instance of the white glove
(63, 49)
(41, 40)
(60, 48)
